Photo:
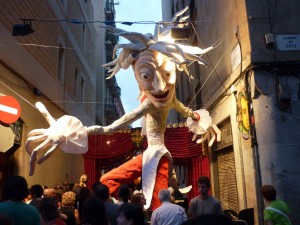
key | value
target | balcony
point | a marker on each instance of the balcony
(113, 85)
(109, 10)
(110, 109)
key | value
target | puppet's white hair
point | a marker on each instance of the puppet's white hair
(180, 54)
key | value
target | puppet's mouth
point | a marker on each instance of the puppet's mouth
(160, 96)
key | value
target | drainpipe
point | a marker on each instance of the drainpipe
(255, 153)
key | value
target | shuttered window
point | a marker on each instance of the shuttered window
(227, 179)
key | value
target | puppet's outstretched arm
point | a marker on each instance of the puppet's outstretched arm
(123, 122)
(69, 134)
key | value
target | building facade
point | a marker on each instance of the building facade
(109, 107)
(55, 63)
(251, 88)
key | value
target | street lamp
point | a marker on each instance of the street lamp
(22, 29)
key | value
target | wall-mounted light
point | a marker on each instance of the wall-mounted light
(180, 33)
(37, 92)
(22, 29)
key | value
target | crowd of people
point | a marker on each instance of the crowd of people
(69, 204)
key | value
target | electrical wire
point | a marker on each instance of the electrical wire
(209, 75)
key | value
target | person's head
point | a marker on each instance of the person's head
(164, 195)
(36, 191)
(83, 180)
(95, 185)
(59, 186)
(68, 199)
(49, 192)
(48, 208)
(123, 193)
(208, 219)
(58, 193)
(65, 185)
(203, 186)
(94, 212)
(156, 76)
(84, 193)
(130, 214)
(139, 199)
(102, 192)
(269, 193)
(15, 188)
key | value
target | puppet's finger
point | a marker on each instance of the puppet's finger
(218, 132)
(194, 137)
(40, 106)
(31, 140)
(212, 136)
(47, 154)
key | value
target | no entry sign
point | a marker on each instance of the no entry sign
(10, 109)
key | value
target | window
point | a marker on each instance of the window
(76, 88)
(63, 3)
(79, 87)
(84, 37)
(82, 90)
(61, 63)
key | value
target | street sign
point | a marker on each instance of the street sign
(288, 42)
(6, 138)
(10, 109)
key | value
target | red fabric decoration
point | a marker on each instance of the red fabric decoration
(109, 151)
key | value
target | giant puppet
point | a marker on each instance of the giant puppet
(154, 63)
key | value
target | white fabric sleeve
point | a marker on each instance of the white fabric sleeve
(72, 133)
(200, 127)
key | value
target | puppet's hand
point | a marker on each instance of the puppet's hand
(67, 132)
(204, 128)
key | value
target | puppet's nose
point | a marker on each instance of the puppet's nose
(158, 84)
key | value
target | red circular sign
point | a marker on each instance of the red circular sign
(10, 109)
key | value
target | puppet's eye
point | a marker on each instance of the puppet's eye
(145, 76)
(168, 75)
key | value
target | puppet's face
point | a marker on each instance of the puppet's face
(156, 76)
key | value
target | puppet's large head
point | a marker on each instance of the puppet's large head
(154, 61)
(156, 77)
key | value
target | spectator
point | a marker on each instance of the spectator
(102, 192)
(15, 189)
(139, 199)
(66, 185)
(95, 184)
(83, 195)
(208, 219)
(36, 192)
(58, 193)
(123, 194)
(168, 213)
(130, 214)
(49, 192)
(81, 190)
(5, 221)
(68, 209)
(277, 212)
(93, 212)
(49, 211)
(83, 180)
(204, 203)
